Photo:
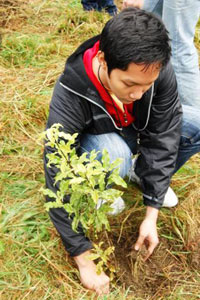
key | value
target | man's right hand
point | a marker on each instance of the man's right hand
(134, 3)
(89, 278)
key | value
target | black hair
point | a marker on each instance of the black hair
(134, 36)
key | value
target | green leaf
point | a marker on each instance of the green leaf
(75, 223)
(95, 196)
(60, 176)
(64, 187)
(76, 180)
(93, 155)
(105, 159)
(84, 222)
(76, 199)
(99, 267)
(67, 136)
(117, 180)
(48, 192)
(83, 158)
(110, 194)
(53, 158)
(80, 168)
(93, 256)
(109, 250)
(53, 204)
(116, 164)
(69, 208)
(101, 181)
(92, 182)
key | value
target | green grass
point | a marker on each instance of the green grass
(37, 36)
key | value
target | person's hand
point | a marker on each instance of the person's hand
(89, 278)
(148, 232)
(134, 3)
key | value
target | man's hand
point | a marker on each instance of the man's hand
(148, 232)
(89, 278)
(134, 3)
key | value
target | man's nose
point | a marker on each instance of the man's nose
(136, 95)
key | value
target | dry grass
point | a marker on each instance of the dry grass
(37, 36)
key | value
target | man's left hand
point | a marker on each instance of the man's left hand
(148, 232)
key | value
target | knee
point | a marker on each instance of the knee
(124, 153)
(115, 146)
(190, 137)
(190, 134)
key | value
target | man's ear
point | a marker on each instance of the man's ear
(101, 60)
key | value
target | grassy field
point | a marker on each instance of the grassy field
(37, 36)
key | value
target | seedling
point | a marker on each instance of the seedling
(88, 182)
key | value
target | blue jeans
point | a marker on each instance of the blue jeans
(99, 5)
(180, 17)
(124, 147)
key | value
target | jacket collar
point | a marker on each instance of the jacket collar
(75, 76)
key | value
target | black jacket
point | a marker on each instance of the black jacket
(76, 104)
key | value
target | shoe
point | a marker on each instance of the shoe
(118, 206)
(170, 199)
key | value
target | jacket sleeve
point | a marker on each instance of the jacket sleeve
(160, 140)
(68, 110)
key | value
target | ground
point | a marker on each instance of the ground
(37, 36)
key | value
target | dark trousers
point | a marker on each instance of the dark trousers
(99, 5)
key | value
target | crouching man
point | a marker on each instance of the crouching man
(118, 91)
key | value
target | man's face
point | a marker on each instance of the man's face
(130, 85)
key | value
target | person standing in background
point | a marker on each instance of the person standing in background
(99, 5)
(180, 18)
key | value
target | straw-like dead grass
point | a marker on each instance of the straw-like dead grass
(12, 13)
(37, 37)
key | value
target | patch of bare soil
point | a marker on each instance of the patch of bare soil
(194, 248)
(152, 278)
(173, 263)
